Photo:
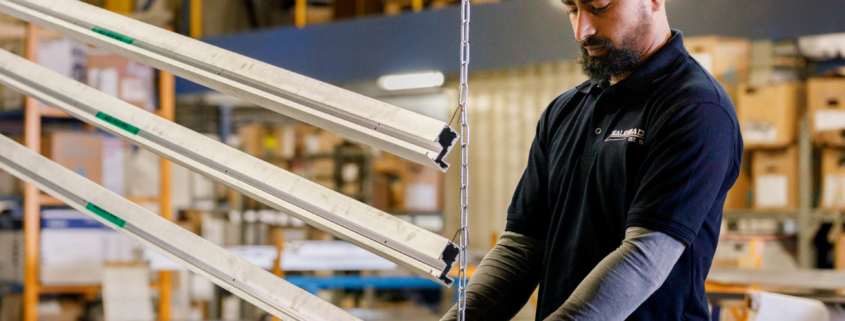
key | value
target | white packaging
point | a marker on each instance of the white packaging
(114, 165)
(771, 191)
(421, 197)
(126, 294)
(833, 191)
(213, 229)
(778, 307)
(755, 132)
(75, 246)
(829, 119)
(66, 57)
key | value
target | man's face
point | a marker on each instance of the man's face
(612, 34)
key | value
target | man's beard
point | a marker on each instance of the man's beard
(616, 61)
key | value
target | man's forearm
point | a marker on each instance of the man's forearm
(624, 279)
(504, 281)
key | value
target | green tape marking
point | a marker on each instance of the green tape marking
(106, 215)
(113, 35)
(118, 123)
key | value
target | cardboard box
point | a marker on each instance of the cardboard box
(381, 192)
(775, 176)
(423, 188)
(739, 196)
(11, 256)
(9, 184)
(826, 103)
(318, 142)
(60, 310)
(768, 116)
(11, 99)
(67, 57)
(833, 179)
(252, 139)
(725, 58)
(11, 307)
(78, 151)
(122, 77)
(323, 168)
(115, 156)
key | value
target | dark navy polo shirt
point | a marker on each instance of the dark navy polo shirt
(658, 150)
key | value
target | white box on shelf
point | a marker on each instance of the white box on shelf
(75, 246)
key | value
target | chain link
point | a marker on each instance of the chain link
(462, 101)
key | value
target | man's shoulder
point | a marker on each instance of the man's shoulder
(690, 84)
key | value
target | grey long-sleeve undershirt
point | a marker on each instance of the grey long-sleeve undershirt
(612, 291)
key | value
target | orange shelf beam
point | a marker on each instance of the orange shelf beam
(47, 200)
(32, 208)
(52, 112)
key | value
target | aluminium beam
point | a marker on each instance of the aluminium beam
(405, 244)
(401, 132)
(256, 285)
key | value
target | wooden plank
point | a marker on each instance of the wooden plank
(234, 274)
(417, 249)
(398, 131)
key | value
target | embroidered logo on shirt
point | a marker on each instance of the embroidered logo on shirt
(634, 135)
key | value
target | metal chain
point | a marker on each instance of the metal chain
(462, 101)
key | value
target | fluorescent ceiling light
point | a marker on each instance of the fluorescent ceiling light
(411, 81)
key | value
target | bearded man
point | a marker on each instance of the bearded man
(617, 215)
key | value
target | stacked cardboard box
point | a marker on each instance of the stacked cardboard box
(775, 175)
(78, 151)
(725, 58)
(9, 184)
(826, 104)
(768, 116)
(11, 307)
(11, 256)
(423, 188)
(121, 77)
(833, 179)
(9, 98)
(739, 196)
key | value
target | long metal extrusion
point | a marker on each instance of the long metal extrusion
(409, 135)
(408, 245)
(256, 285)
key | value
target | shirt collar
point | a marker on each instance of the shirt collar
(655, 68)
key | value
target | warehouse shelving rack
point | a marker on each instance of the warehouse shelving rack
(806, 217)
(34, 199)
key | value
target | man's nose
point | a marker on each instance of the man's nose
(583, 26)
